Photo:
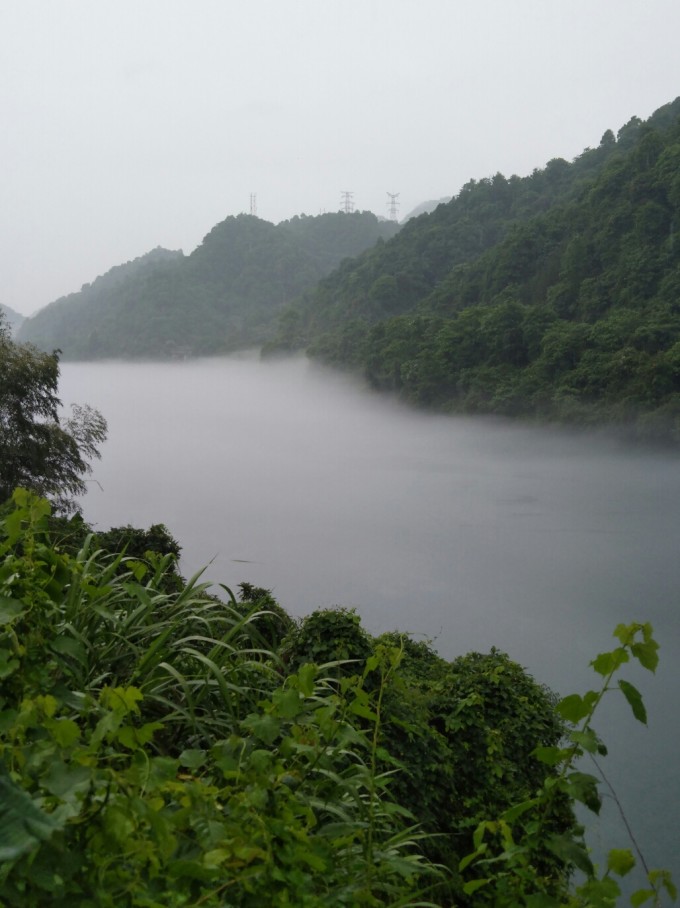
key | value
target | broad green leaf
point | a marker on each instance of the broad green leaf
(542, 900)
(8, 663)
(358, 708)
(192, 870)
(551, 756)
(599, 893)
(317, 863)
(574, 707)
(480, 832)
(287, 703)
(606, 663)
(47, 704)
(10, 609)
(133, 738)
(138, 568)
(474, 885)
(634, 698)
(161, 770)
(646, 654)
(64, 780)
(625, 633)
(640, 896)
(69, 646)
(121, 699)
(620, 861)
(264, 727)
(587, 739)
(64, 731)
(192, 759)
(371, 664)
(469, 858)
(22, 824)
(663, 878)
(583, 787)
(106, 727)
(306, 677)
(119, 824)
(7, 719)
(515, 812)
(217, 856)
(570, 851)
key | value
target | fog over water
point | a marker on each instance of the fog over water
(474, 533)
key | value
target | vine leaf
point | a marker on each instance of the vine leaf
(632, 694)
(22, 824)
(620, 861)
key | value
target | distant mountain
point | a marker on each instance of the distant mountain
(425, 208)
(226, 295)
(13, 319)
(555, 295)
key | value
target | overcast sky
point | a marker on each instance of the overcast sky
(128, 124)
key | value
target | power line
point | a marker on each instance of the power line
(393, 205)
(347, 201)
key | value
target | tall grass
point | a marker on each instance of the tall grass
(153, 753)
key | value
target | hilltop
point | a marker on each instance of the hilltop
(224, 296)
(554, 296)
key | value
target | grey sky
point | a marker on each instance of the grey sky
(128, 124)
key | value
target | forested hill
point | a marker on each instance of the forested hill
(555, 295)
(224, 296)
(13, 319)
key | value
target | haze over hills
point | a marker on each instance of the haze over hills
(425, 208)
(556, 295)
(12, 318)
(222, 297)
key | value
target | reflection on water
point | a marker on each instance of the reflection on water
(473, 533)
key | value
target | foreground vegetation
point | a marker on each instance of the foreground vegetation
(163, 746)
(40, 448)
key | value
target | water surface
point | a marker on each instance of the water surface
(470, 532)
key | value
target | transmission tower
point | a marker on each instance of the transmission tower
(253, 204)
(393, 205)
(347, 201)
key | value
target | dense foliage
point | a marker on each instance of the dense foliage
(556, 295)
(39, 449)
(224, 296)
(161, 746)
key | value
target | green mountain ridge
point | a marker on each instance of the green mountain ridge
(224, 296)
(553, 296)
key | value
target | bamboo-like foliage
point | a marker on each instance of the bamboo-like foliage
(154, 751)
(153, 754)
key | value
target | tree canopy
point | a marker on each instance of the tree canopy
(224, 296)
(552, 296)
(39, 448)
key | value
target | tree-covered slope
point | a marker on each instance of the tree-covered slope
(555, 295)
(223, 296)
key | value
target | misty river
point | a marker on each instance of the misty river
(470, 532)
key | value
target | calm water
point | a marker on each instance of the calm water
(469, 532)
